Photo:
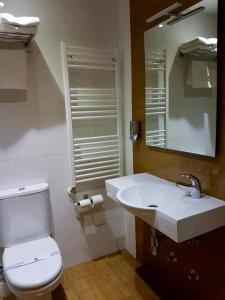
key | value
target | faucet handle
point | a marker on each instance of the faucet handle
(195, 183)
(194, 180)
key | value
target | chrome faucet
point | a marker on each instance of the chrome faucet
(194, 188)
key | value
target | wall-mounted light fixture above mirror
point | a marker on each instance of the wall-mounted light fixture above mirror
(167, 11)
(181, 80)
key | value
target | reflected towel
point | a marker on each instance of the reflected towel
(13, 71)
(199, 43)
(202, 74)
(19, 21)
(212, 66)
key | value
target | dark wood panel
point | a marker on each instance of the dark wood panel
(209, 256)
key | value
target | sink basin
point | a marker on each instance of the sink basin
(149, 197)
(166, 207)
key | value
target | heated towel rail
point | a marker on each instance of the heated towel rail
(93, 111)
(155, 98)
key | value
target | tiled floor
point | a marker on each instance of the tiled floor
(110, 278)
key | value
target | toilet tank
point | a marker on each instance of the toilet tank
(24, 214)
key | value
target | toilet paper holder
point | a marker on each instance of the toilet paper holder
(72, 190)
(86, 202)
(89, 202)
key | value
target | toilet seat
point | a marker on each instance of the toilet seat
(32, 265)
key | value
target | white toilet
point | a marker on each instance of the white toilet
(31, 259)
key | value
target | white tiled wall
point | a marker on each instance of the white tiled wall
(125, 51)
(33, 138)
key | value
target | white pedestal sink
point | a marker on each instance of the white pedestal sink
(167, 207)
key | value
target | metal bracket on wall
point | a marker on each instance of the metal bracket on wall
(135, 130)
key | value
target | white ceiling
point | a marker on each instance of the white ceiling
(210, 5)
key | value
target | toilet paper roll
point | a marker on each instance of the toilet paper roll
(97, 199)
(84, 203)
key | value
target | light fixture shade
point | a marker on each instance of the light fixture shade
(164, 12)
(181, 17)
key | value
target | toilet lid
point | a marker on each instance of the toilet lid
(33, 264)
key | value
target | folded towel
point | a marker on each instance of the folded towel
(199, 43)
(19, 21)
(13, 71)
(210, 48)
(199, 48)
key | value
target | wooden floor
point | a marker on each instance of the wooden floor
(110, 278)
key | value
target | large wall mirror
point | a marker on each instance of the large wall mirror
(181, 81)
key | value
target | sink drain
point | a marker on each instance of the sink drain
(152, 205)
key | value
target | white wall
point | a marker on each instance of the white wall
(191, 123)
(123, 9)
(33, 145)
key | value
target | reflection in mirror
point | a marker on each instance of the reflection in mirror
(181, 81)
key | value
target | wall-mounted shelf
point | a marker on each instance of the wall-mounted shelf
(10, 37)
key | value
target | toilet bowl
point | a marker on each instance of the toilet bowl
(32, 261)
(33, 269)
